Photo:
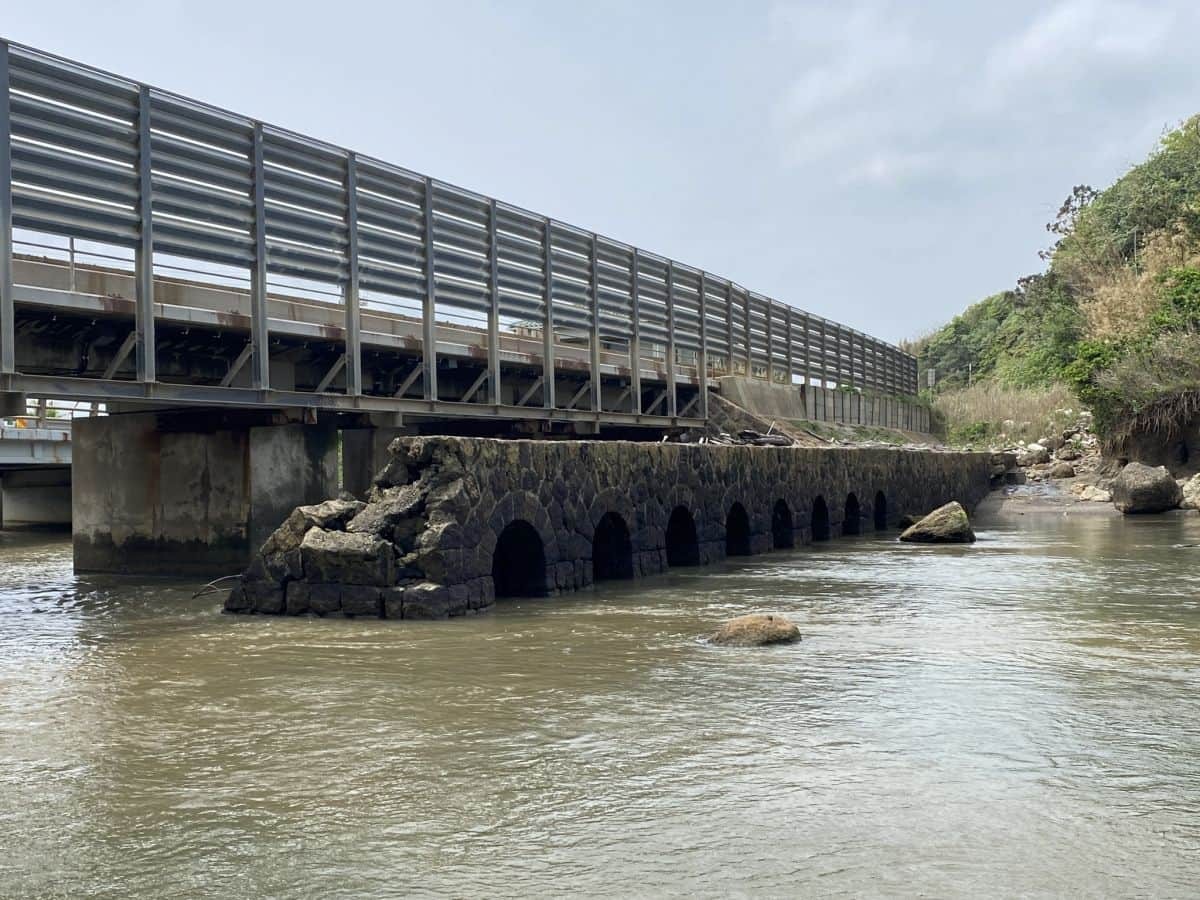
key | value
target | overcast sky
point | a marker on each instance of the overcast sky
(882, 164)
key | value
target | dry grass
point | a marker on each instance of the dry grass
(995, 414)
(1114, 295)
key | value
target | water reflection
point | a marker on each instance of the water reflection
(1016, 716)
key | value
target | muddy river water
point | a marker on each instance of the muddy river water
(1018, 717)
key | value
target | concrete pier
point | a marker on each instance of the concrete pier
(181, 493)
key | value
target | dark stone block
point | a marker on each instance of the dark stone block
(426, 601)
(325, 599)
(361, 600)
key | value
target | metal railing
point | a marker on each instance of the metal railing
(90, 156)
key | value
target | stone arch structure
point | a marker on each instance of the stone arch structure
(880, 511)
(612, 549)
(737, 531)
(682, 543)
(519, 561)
(820, 519)
(852, 519)
(783, 531)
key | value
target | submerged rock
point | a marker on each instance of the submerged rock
(756, 630)
(1143, 489)
(945, 525)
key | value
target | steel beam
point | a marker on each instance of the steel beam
(8, 338)
(548, 318)
(635, 341)
(791, 348)
(662, 395)
(144, 253)
(594, 296)
(475, 386)
(749, 336)
(532, 389)
(583, 388)
(429, 307)
(260, 336)
(409, 380)
(671, 398)
(242, 359)
(122, 354)
(729, 369)
(702, 367)
(770, 322)
(353, 339)
(337, 367)
(493, 324)
(159, 393)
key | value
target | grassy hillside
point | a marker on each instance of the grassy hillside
(1116, 313)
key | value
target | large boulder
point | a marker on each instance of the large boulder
(339, 557)
(1062, 470)
(1145, 489)
(945, 525)
(1033, 455)
(1191, 493)
(757, 630)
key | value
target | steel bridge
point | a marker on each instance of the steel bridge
(155, 250)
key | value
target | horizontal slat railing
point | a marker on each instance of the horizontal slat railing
(86, 155)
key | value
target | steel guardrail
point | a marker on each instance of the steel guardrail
(88, 155)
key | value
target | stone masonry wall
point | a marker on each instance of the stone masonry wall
(423, 544)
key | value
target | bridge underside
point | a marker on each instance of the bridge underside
(78, 345)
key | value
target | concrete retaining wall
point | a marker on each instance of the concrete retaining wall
(39, 496)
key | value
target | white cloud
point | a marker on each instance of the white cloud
(1076, 35)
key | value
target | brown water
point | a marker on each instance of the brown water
(1017, 717)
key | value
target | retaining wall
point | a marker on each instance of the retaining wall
(449, 518)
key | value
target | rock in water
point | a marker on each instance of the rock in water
(1142, 489)
(945, 525)
(756, 630)
(1191, 493)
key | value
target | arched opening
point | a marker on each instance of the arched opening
(519, 562)
(880, 510)
(852, 521)
(683, 549)
(820, 520)
(783, 534)
(737, 531)
(612, 551)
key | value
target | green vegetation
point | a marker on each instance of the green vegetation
(1115, 316)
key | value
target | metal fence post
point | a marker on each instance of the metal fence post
(671, 399)
(594, 290)
(635, 342)
(429, 307)
(767, 304)
(260, 363)
(548, 319)
(791, 348)
(749, 320)
(8, 340)
(144, 254)
(703, 361)
(353, 320)
(493, 307)
(729, 328)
